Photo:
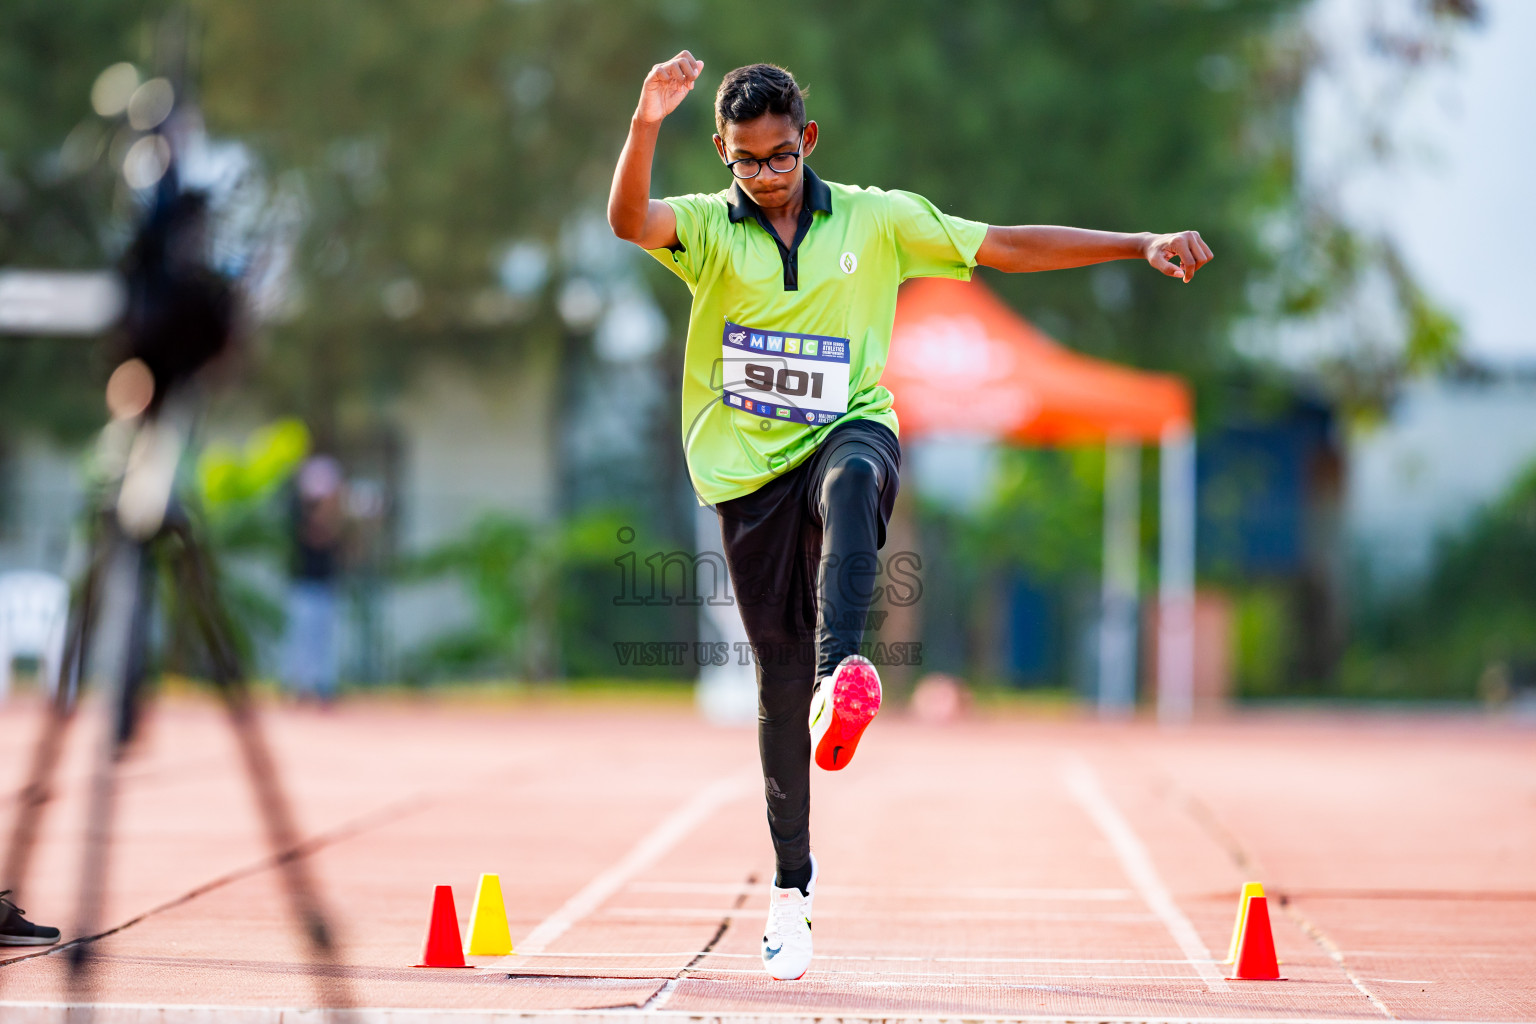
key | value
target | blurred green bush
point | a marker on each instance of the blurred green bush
(543, 603)
(239, 496)
(1472, 618)
(1262, 650)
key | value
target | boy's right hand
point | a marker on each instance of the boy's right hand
(666, 86)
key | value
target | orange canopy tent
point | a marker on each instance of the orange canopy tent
(963, 364)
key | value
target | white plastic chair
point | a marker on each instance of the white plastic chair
(34, 612)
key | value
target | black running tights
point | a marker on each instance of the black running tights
(802, 556)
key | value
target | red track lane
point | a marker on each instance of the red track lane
(1001, 867)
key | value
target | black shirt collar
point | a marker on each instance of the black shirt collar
(818, 199)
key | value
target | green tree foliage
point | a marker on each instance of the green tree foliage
(53, 206)
(1045, 516)
(58, 206)
(414, 141)
(404, 145)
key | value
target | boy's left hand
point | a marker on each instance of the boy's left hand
(1188, 246)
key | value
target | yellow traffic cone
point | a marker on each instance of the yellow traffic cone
(1250, 890)
(488, 933)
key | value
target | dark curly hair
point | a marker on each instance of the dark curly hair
(755, 90)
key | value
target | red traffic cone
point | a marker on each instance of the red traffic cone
(443, 948)
(1256, 952)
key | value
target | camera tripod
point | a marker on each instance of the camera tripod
(140, 527)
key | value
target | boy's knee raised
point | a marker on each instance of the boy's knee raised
(855, 478)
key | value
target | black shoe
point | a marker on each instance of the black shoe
(16, 930)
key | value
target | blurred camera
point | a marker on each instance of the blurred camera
(179, 311)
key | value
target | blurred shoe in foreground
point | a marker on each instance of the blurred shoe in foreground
(16, 930)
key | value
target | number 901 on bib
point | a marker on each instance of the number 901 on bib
(784, 375)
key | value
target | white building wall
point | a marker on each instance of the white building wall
(39, 511)
(1446, 450)
(474, 444)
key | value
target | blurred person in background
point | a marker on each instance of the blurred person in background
(317, 525)
(794, 284)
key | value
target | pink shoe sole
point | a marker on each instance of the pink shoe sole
(855, 702)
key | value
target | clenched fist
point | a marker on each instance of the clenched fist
(1188, 246)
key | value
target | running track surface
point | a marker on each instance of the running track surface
(1003, 867)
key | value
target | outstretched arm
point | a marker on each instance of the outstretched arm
(1021, 250)
(632, 213)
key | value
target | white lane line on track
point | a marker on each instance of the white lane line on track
(1335, 954)
(937, 892)
(656, 844)
(201, 1013)
(1441, 954)
(928, 979)
(1084, 786)
(659, 998)
(715, 914)
(868, 958)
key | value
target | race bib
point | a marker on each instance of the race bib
(780, 375)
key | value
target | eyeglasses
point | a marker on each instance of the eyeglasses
(779, 163)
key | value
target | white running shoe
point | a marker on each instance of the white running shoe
(787, 936)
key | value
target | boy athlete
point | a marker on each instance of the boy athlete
(786, 427)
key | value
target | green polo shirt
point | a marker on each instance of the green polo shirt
(837, 278)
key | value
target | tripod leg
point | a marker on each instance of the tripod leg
(50, 742)
(199, 589)
(127, 591)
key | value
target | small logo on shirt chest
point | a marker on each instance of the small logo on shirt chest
(849, 262)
